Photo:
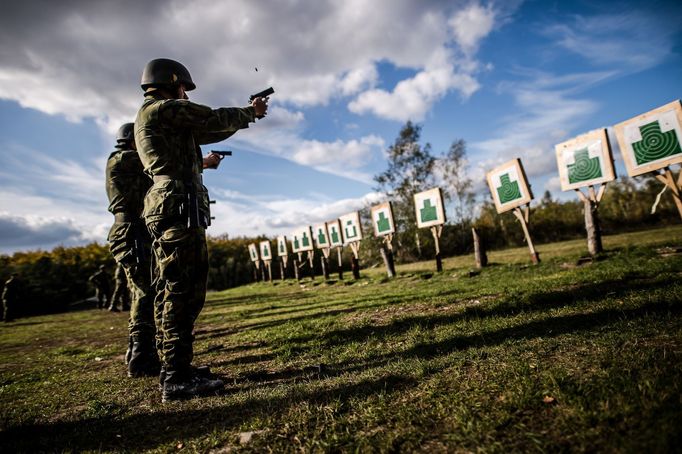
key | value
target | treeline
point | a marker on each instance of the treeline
(51, 281)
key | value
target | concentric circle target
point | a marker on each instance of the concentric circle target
(655, 144)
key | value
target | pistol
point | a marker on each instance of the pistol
(222, 153)
(263, 94)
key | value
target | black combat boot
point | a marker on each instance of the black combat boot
(144, 362)
(201, 371)
(181, 386)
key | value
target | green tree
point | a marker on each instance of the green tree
(410, 170)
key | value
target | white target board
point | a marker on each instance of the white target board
(350, 227)
(653, 140)
(585, 160)
(302, 240)
(334, 231)
(429, 208)
(509, 186)
(265, 250)
(320, 236)
(282, 248)
(253, 252)
(382, 219)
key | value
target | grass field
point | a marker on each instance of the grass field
(518, 358)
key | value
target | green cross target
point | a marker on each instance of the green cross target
(508, 190)
(305, 240)
(281, 248)
(584, 168)
(297, 245)
(266, 253)
(382, 223)
(655, 144)
(428, 212)
(335, 235)
(321, 237)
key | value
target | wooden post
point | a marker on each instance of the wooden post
(282, 268)
(255, 271)
(387, 255)
(324, 261)
(340, 262)
(268, 265)
(667, 178)
(479, 250)
(261, 268)
(592, 227)
(311, 263)
(297, 271)
(436, 231)
(355, 263)
(523, 218)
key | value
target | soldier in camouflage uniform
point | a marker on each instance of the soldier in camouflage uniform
(168, 131)
(121, 291)
(100, 280)
(130, 244)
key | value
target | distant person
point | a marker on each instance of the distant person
(130, 244)
(168, 131)
(100, 280)
(121, 295)
(10, 297)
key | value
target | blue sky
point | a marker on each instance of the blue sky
(511, 78)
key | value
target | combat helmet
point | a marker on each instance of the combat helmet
(164, 72)
(125, 134)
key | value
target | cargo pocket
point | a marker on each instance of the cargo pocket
(204, 204)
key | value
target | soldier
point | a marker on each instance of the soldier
(130, 244)
(121, 291)
(168, 131)
(102, 287)
(10, 297)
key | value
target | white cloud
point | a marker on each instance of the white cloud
(275, 215)
(631, 40)
(470, 25)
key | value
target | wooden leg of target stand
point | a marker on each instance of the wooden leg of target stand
(311, 264)
(387, 255)
(282, 270)
(523, 219)
(355, 263)
(668, 179)
(340, 262)
(297, 271)
(324, 261)
(436, 232)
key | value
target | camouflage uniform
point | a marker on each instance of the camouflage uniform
(102, 288)
(121, 292)
(10, 296)
(168, 133)
(130, 242)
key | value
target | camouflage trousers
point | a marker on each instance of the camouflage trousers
(121, 295)
(130, 245)
(179, 279)
(103, 296)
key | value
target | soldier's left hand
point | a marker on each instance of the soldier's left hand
(212, 161)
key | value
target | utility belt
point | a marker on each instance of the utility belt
(190, 210)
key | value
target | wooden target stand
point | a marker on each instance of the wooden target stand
(437, 231)
(267, 265)
(355, 262)
(665, 176)
(591, 206)
(522, 213)
(387, 254)
(339, 256)
(324, 261)
(284, 259)
(298, 265)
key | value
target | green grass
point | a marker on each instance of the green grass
(522, 358)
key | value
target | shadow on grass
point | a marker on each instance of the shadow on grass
(150, 430)
(533, 302)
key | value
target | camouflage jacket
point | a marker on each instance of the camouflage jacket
(100, 280)
(168, 133)
(11, 290)
(127, 183)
